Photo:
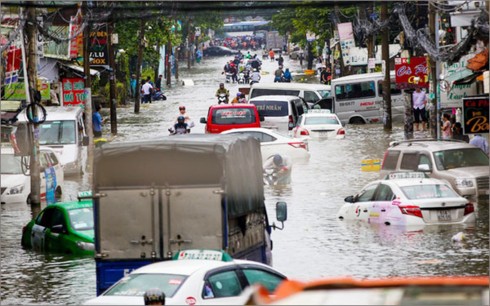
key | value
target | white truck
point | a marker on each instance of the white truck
(155, 198)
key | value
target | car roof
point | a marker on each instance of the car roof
(57, 113)
(73, 204)
(429, 144)
(274, 98)
(8, 149)
(291, 86)
(183, 267)
(368, 76)
(238, 105)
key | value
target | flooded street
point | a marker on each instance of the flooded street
(314, 243)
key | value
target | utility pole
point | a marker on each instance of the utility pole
(138, 65)
(169, 67)
(435, 109)
(34, 165)
(385, 48)
(112, 79)
(88, 92)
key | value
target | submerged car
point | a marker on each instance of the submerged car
(201, 277)
(16, 179)
(218, 51)
(272, 143)
(319, 123)
(407, 198)
(64, 227)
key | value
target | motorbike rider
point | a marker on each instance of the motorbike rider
(154, 297)
(188, 120)
(180, 127)
(280, 165)
(255, 76)
(237, 98)
(223, 90)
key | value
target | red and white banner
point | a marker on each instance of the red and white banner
(73, 91)
(411, 72)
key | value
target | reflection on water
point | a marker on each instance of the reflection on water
(313, 243)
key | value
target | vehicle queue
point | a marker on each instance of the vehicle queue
(441, 189)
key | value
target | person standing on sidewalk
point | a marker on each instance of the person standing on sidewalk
(419, 102)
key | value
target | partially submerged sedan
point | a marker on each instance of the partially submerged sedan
(64, 227)
(194, 277)
(407, 198)
(319, 123)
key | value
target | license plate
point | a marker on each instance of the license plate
(443, 215)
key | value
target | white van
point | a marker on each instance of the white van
(359, 98)
(64, 131)
(279, 113)
(311, 93)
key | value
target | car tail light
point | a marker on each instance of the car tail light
(304, 132)
(290, 122)
(469, 208)
(411, 210)
(384, 158)
(300, 144)
(341, 132)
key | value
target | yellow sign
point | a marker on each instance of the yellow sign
(368, 165)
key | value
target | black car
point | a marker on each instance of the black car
(219, 50)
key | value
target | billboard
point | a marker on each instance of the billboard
(73, 91)
(411, 72)
(475, 115)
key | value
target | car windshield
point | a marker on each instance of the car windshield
(428, 191)
(137, 284)
(11, 164)
(82, 219)
(317, 120)
(57, 132)
(458, 158)
(324, 93)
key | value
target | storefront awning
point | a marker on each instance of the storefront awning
(93, 72)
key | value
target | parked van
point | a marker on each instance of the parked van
(155, 198)
(359, 98)
(64, 131)
(279, 112)
(223, 117)
(309, 92)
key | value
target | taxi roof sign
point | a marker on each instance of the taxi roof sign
(202, 255)
(405, 175)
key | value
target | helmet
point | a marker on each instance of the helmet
(238, 94)
(277, 160)
(154, 295)
(181, 119)
(221, 84)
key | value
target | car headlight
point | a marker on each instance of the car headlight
(465, 182)
(86, 246)
(16, 189)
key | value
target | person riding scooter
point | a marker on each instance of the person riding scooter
(222, 91)
(180, 127)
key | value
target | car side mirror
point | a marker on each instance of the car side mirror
(350, 199)
(85, 141)
(261, 118)
(424, 168)
(58, 228)
(202, 120)
(281, 214)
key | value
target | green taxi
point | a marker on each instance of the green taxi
(64, 227)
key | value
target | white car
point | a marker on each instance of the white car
(16, 181)
(272, 143)
(407, 198)
(219, 279)
(319, 123)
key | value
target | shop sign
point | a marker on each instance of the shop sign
(475, 115)
(73, 91)
(411, 72)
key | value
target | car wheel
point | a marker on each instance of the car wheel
(357, 120)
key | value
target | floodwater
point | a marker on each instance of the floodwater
(313, 244)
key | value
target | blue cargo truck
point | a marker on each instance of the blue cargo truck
(154, 198)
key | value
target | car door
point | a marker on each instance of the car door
(222, 286)
(310, 97)
(39, 229)
(259, 275)
(380, 209)
(53, 239)
(363, 201)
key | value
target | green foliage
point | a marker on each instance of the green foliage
(121, 93)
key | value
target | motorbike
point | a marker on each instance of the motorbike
(241, 78)
(228, 76)
(172, 132)
(158, 95)
(273, 177)
(222, 98)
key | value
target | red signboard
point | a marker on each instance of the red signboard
(14, 58)
(73, 91)
(411, 72)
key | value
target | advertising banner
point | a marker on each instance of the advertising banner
(346, 36)
(475, 115)
(98, 52)
(73, 91)
(411, 72)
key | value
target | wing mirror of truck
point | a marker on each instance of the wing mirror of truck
(281, 214)
(58, 228)
(202, 120)
(423, 168)
(85, 141)
(350, 199)
(261, 118)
